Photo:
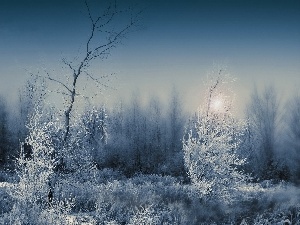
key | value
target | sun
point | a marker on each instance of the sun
(217, 105)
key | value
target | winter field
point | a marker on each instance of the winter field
(150, 199)
(71, 155)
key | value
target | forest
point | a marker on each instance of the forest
(68, 159)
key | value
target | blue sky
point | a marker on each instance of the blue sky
(177, 44)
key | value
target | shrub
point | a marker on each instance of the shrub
(31, 203)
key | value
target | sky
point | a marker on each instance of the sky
(177, 43)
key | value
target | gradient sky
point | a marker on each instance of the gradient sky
(178, 43)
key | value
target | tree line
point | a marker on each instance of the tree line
(134, 138)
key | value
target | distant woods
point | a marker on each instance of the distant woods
(131, 137)
(4, 133)
(147, 138)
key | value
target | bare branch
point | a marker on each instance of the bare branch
(68, 64)
(52, 79)
(61, 92)
(89, 11)
(98, 81)
(109, 45)
(211, 90)
(94, 23)
(89, 40)
(110, 18)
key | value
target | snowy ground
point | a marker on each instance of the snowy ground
(155, 199)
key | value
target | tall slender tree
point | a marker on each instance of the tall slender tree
(101, 40)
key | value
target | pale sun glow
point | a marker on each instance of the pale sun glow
(217, 105)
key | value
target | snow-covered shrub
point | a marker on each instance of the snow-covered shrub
(75, 155)
(57, 213)
(36, 173)
(116, 200)
(278, 204)
(83, 194)
(164, 197)
(154, 215)
(64, 167)
(277, 216)
(119, 200)
(211, 154)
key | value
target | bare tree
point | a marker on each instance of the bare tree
(31, 96)
(93, 50)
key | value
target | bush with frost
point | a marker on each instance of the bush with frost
(36, 175)
(154, 215)
(211, 148)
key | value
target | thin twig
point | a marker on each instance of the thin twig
(52, 79)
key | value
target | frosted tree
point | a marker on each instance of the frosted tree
(32, 193)
(31, 96)
(35, 171)
(210, 154)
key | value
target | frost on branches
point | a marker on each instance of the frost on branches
(36, 168)
(210, 149)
